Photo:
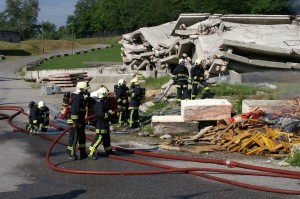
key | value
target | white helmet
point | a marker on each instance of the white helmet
(198, 61)
(41, 104)
(121, 82)
(181, 61)
(102, 92)
(134, 81)
(81, 86)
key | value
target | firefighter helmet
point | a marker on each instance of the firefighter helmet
(181, 61)
(31, 104)
(121, 82)
(102, 92)
(81, 86)
(134, 81)
(41, 104)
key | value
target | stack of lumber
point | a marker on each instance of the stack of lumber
(252, 137)
(68, 79)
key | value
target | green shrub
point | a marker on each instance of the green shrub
(295, 159)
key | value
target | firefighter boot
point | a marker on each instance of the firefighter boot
(110, 152)
(92, 156)
(83, 154)
(72, 154)
(208, 94)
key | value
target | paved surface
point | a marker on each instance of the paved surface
(25, 174)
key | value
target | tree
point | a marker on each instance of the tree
(21, 16)
(270, 6)
(49, 30)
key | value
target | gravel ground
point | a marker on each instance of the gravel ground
(133, 137)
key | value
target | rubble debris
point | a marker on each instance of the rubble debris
(251, 135)
(223, 41)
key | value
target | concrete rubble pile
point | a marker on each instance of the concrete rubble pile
(253, 133)
(226, 42)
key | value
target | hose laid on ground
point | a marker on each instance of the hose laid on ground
(167, 169)
(174, 81)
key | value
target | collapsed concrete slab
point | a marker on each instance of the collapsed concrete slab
(268, 106)
(205, 110)
(242, 42)
(173, 125)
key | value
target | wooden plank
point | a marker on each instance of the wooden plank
(238, 137)
(68, 74)
(202, 132)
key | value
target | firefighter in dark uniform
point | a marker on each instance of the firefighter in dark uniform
(76, 118)
(102, 124)
(121, 91)
(197, 76)
(44, 116)
(90, 102)
(135, 95)
(34, 113)
(180, 75)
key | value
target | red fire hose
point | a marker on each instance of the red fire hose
(165, 169)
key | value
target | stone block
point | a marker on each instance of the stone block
(173, 125)
(269, 106)
(205, 109)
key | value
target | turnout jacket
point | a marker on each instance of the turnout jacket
(44, 114)
(135, 96)
(181, 73)
(101, 111)
(34, 115)
(122, 94)
(197, 72)
(77, 108)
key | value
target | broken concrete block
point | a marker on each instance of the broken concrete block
(268, 106)
(173, 125)
(205, 109)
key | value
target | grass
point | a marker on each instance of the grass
(99, 40)
(155, 82)
(76, 61)
(236, 93)
(35, 47)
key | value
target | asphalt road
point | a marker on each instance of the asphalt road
(25, 174)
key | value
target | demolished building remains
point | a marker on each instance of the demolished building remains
(243, 43)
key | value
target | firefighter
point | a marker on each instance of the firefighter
(135, 95)
(34, 124)
(43, 116)
(76, 116)
(197, 76)
(180, 75)
(90, 102)
(102, 124)
(121, 91)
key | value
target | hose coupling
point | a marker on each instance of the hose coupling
(229, 164)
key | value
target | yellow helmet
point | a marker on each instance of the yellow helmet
(41, 104)
(102, 92)
(81, 86)
(121, 82)
(134, 81)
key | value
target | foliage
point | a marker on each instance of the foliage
(93, 16)
(49, 30)
(295, 160)
(107, 17)
(155, 82)
(21, 16)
